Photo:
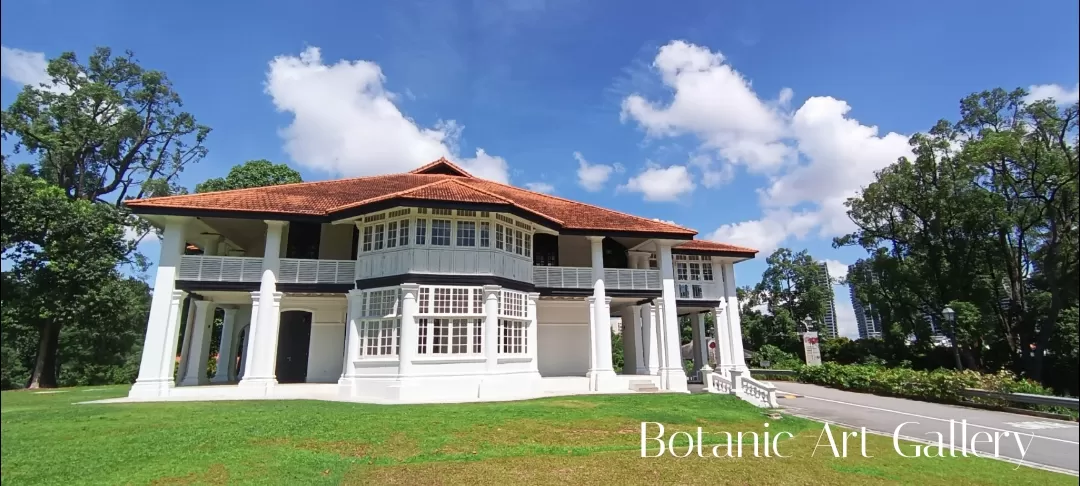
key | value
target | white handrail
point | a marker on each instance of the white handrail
(717, 383)
(582, 278)
(302, 270)
(220, 268)
(756, 392)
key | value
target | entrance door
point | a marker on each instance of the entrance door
(292, 352)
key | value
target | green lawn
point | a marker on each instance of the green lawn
(46, 439)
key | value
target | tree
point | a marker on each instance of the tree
(60, 251)
(253, 173)
(106, 128)
(794, 288)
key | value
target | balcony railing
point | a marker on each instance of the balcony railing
(249, 269)
(582, 278)
(698, 290)
(220, 268)
(300, 270)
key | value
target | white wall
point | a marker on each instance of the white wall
(335, 242)
(563, 328)
(327, 343)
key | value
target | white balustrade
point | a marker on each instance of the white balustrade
(220, 268)
(582, 278)
(756, 392)
(307, 271)
(717, 383)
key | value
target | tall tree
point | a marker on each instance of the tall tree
(253, 173)
(107, 129)
(794, 288)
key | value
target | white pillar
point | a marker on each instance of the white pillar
(212, 245)
(243, 318)
(649, 350)
(672, 367)
(491, 326)
(738, 359)
(354, 307)
(250, 342)
(661, 341)
(631, 333)
(156, 367)
(226, 358)
(262, 367)
(201, 332)
(185, 347)
(603, 372)
(592, 342)
(723, 340)
(532, 333)
(409, 332)
(638, 259)
(701, 344)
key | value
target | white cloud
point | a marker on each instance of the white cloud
(593, 176)
(541, 187)
(346, 122)
(661, 183)
(815, 157)
(837, 270)
(1059, 93)
(713, 173)
(717, 104)
(846, 325)
(23, 67)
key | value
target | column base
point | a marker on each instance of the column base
(195, 380)
(603, 380)
(675, 380)
(158, 388)
(219, 379)
(265, 384)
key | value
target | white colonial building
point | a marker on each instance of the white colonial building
(427, 286)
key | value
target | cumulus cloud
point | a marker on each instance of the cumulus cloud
(1057, 92)
(714, 102)
(541, 187)
(23, 67)
(593, 177)
(814, 157)
(346, 122)
(657, 183)
(837, 269)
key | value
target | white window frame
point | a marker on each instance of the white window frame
(415, 228)
(444, 312)
(379, 323)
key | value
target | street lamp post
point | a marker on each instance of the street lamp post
(950, 316)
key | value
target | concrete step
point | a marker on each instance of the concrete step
(643, 386)
(646, 389)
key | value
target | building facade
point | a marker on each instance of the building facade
(829, 328)
(426, 286)
(869, 322)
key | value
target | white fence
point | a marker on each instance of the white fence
(582, 278)
(300, 270)
(220, 268)
(756, 392)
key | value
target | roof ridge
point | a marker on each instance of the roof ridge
(593, 206)
(386, 196)
(257, 188)
(441, 160)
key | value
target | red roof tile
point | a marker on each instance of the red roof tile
(706, 245)
(439, 181)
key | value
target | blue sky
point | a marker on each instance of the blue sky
(748, 123)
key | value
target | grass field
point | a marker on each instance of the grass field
(46, 439)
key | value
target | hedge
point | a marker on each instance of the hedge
(940, 385)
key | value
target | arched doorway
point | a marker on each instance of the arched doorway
(294, 338)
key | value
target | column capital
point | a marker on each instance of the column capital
(410, 287)
(590, 299)
(533, 295)
(490, 289)
(202, 303)
(354, 293)
(178, 294)
(595, 238)
(607, 300)
(658, 301)
(275, 222)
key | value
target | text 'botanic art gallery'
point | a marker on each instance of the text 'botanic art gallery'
(426, 286)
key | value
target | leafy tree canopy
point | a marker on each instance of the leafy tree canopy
(253, 173)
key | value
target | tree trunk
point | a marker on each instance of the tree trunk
(44, 374)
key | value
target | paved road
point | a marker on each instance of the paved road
(1045, 442)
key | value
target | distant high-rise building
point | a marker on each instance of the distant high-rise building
(868, 320)
(829, 328)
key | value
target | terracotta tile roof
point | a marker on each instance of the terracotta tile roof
(706, 245)
(437, 181)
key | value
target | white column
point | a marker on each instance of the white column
(261, 368)
(738, 360)
(649, 350)
(532, 334)
(409, 333)
(250, 342)
(672, 367)
(603, 372)
(723, 340)
(156, 367)
(225, 358)
(631, 334)
(355, 299)
(185, 347)
(491, 326)
(592, 342)
(638, 259)
(201, 331)
(243, 318)
(701, 344)
(211, 245)
(661, 341)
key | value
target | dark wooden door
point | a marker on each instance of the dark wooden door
(294, 338)
(545, 250)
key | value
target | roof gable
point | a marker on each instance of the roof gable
(441, 167)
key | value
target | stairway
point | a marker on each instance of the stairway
(643, 386)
